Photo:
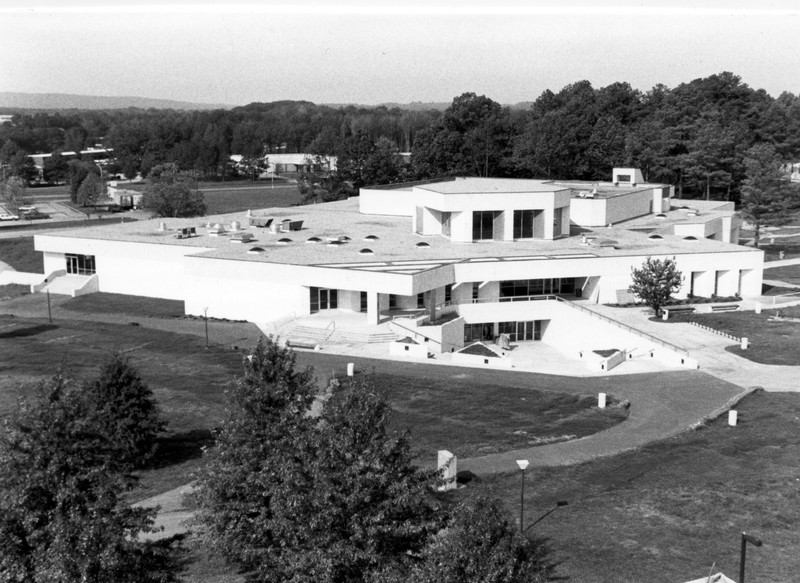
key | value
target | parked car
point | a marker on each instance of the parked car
(8, 217)
(27, 209)
(32, 215)
(115, 208)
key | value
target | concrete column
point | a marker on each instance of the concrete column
(373, 310)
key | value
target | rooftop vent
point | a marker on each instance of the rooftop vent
(655, 236)
(371, 238)
(344, 238)
(313, 240)
(661, 216)
(284, 241)
(367, 252)
(242, 237)
(422, 245)
(690, 238)
(216, 230)
(256, 250)
(335, 243)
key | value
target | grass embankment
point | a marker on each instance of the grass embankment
(668, 511)
(20, 254)
(774, 335)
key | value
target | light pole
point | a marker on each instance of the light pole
(522, 465)
(205, 321)
(746, 538)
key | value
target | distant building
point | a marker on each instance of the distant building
(289, 163)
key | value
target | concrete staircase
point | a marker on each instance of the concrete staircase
(311, 335)
(71, 285)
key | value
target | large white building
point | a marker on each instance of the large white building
(492, 255)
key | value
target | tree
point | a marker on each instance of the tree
(89, 190)
(293, 498)
(78, 170)
(172, 193)
(655, 282)
(258, 458)
(766, 191)
(367, 506)
(62, 517)
(14, 192)
(126, 409)
(481, 545)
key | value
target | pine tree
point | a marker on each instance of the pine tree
(126, 409)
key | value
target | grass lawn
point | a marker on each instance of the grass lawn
(133, 306)
(222, 199)
(20, 255)
(668, 511)
(189, 380)
(787, 273)
(771, 341)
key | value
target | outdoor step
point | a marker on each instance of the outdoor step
(66, 284)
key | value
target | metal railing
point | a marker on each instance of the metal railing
(415, 333)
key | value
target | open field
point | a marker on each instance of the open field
(772, 340)
(20, 255)
(667, 511)
(787, 273)
(189, 380)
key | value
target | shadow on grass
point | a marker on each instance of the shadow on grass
(180, 447)
(28, 331)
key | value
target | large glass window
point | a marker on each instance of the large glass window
(80, 264)
(536, 287)
(523, 224)
(483, 225)
(323, 299)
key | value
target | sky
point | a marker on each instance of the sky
(370, 52)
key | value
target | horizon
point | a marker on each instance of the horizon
(331, 53)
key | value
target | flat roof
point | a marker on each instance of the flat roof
(394, 247)
(490, 185)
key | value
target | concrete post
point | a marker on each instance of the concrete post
(373, 313)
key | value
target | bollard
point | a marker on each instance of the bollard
(351, 367)
(745, 343)
(758, 307)
(733, 417)
(601, 400)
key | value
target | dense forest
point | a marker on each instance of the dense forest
(694, 136)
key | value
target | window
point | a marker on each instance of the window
(323, 299)
(476, 288)
(483, 225)
(536, 287)
(623, 177)
(80, 264)
(421, 300)
(363, 301)
(392, 302)
(523, 224)
(448, 293)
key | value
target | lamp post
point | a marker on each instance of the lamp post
(205, 321)
(746, 538)
(522, 465)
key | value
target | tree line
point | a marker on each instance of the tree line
(694, 136)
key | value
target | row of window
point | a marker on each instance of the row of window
(517, 331)
(80, 264)
(537, 287)
(527, 224)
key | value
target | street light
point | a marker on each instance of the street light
(746, 538)
(522, 465)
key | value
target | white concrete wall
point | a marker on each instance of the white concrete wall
(396, 202)
(588, 212)
(406, 350)
(627, 206)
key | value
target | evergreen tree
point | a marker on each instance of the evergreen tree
(768, 196)
(89, 190)
(126, 409)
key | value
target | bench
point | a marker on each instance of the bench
(300, 344)
(677, 310)
(725, 308)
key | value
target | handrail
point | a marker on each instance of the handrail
(625, 326)
(394, 323)
(331, 323)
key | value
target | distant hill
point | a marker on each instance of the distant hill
(68, 101)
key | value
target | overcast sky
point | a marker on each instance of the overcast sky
(371, 52)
